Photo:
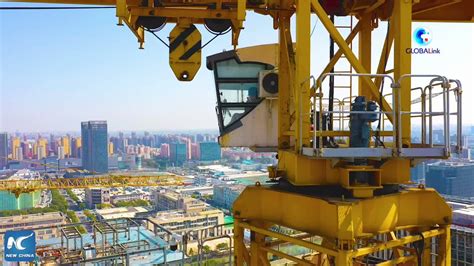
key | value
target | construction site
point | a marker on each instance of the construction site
(341, 192)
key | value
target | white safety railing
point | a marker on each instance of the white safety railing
(395, 116)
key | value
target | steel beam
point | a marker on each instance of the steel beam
(356, 64)
(302, 71)
(402, 18)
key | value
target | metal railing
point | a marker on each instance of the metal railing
(396, 116)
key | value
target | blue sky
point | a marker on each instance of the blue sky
(59, 68)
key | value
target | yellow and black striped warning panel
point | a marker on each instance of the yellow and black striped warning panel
(185, 51)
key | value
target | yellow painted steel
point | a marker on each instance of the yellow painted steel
(365, 52)
(343, 219)
(285, 78)
(302, 170)
(346, 256)
(402, 12)
(28, 185)
(302, 74)
(356, 64)
(342, 222)
(339, 52)
(185, 50)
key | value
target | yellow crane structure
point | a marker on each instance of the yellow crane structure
(19, 186)
(344, 185)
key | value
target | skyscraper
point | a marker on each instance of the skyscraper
(66, 144)
(178, 153)
(16, 145)
(76, 144)
(94, 146)
(3, 150)
(40, 148)
(209, 151)
(195, 151)
(165, 150)
(451, 177)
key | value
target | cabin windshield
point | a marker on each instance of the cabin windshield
(237, 90)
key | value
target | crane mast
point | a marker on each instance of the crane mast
(344, 186)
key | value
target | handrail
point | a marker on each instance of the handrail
(319, 95)
(396, 112)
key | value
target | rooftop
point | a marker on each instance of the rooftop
(453, 163)
(120, 212)
(31, 218)
(167, 216)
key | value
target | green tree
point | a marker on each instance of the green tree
(206, 249)
(133, 203)
(58, 202)
(89, 215)
(103, 206)
(72, 215)
(222, 246)
(72, 195)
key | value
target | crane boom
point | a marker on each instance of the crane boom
(19, 186)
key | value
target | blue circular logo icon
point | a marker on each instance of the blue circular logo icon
(422, 36)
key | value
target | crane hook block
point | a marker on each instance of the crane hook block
(185, 51)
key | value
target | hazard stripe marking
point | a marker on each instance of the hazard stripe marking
(194, 49)
(181, 37)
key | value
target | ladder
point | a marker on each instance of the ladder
(345, 26)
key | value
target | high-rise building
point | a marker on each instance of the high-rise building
(209, 151)
(18, 153)
(27, 149)
(76, 144)
(195, 151)
(116, 144)
(53, 144)
(451, 178)
(188, 148)
(16, 144)
(94, 146)
(111, 148)
(133, 139)
(66, 144)
(61, 153)
(165, 150)
(199, 138)
(3, 150)
(40, 148)
(178, 153)
(418, 172)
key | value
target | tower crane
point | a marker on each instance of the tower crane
(19, 186)
(95, 180)
(348, 186)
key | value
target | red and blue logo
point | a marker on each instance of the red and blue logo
(422, 36)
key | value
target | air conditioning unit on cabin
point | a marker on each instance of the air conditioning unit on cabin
(268, 84)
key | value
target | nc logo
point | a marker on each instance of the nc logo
(422, 36)
(20, 245)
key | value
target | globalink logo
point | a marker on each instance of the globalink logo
(20, 245)
(422, 37)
